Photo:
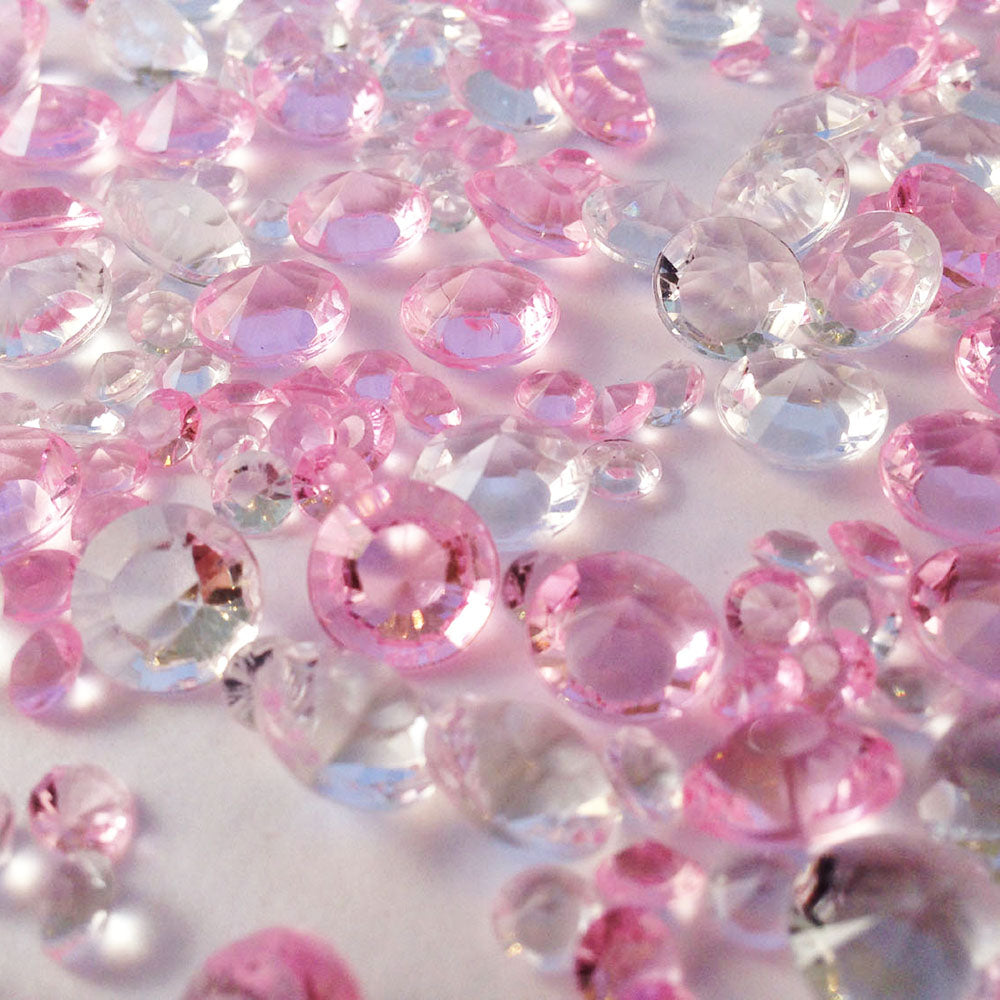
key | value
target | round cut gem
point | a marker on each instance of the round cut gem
(166, 424)
(44, 668)
(622, 635)
(622, 470)
(241, 671)
(80, 421)
(530, 19)
(645, 773)
(224, 437)
(620, 409)
(558, 399)
(36, 585)
(977, 359)
(793, 550)
(480, 316)
(164, 595)
(770, 607)
(160, 321)
(193, 370)
(678, 387)
(649, 873)
(252, 490)
(836, 115)
(870, 549)
(426, 402)
(326, 476)
(370, 374)
(40, 220)
(751, 897)
(119, 376)
(708, 23)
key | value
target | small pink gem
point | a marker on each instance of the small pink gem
(275, 964)
(870, 549)
(820, 21)
(45, 668)
(300, 428)
(82, 808)
(246, 397)
(26, 24)
(479, 316)
(650, 874)
(190, 120)
(441, 129)
(37, 585)
(770, 607)
(742, 61)
(366, 427)
(311, 386)
(838, 669)
(621, 409)
(326, 476)
(484, 147)
(977, 359)
(224, 436)
(39, 220)
(557, 399)
(359, 216)
(118, 465)
(793, 550)
(275, 314)
(528, 19)
(370, 374)
(160, 321)
(166, 424)
(55, 124)
(759, 683)
(426, 402)
(96, 512)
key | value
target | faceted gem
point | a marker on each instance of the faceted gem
(189, 121)
(940, 471)
(36, 585)
(426, 402)
(51, 305)
(751, 897)
(35, 221)
(838, 669)
(632, 223)
(326, 476)
(164, 595)
(522, 577)
(480, 316)
(118, 465)
(97, 511)
(742, 61)
(80, 421)
(795, 186)
(916, 695)
(39, 486)
(484, 147)
(272, 963)
(245, 664)
(224, 437)
(178, 227)
(119, 376)
(45, 667)
(864, 607)
(268, 222)
(73, 904)
(81, 807)
(28, 23)
(678, 387)
(769, 607)
(525, 482)
(239, 397)
(540, 914)
(870, 549)
(370, 374)
(977, 359)
(193, 370)
(18, 410)
(758, 683)
(365, 426)
(298, 429)
(282, 32)
(726, 286)
(843, 119)
(872, 277)
(645, 773)
(708, 23)
(551, 791)
(403, 571)
(622, 635)
(530, 19)
(783, 777)
(160, 321)
(358, 216)
(166, 424)
(793, 550)
(620, 409)
(622, 470)
(253, 491)
(800, 412)
(557, 399)
(206, 10)
(649, 873)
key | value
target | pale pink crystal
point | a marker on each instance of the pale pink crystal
(82, 807)
(245, 397)
(742, 61)
(189, 120)
(166, 424)
(937, 10)
(159, 321)
(325, 476)
(819, 20)
(441, 129)
(221, 437)
(26, 24)
(39, 220)
(37, 585)
(529, 19)
(366, 427)
(770, 607)
(274, 964)
(977, 359)
(118, 465)
(479, 316)
(426, 402)
(300, 428)
(97, 511)
(311, 386)
(759, 683)
(359, 216)
(484, 146)
(793, 550)
(370, 374)
(558, 399)
(870, 549)
(649, 873)
(620, 409)
(45, 667)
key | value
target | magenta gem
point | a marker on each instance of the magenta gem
(325, 476)
(405, 572)
(189, 120)
(479, 316)
(37, 585)
(38, 221)
(977, 359)
(484, 147)
(166, 424)
(116, 465)
(557, 399)
(870, 549)
(370, 374)
(649, 873)
(274, 314)
(528, 19)
(742, 61)
(621, 409)
(359, 216)
(45, 668)
(426, 402)
(82, 807)
(784, 777)
(770, 607)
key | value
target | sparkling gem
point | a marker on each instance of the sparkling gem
(370, 374)
(645, 773)
(799, 411)
(441, 129)
(864, 607)
(530, 19)
(193, 370)
(485, 147)
(119, 376)
(838, 669)
(526, 483)
(558, 399)
(358, 216)
(160, 321)
(769, 607)
(871, 278)
(620, 409)
(743, 61)
(622, 635)
(649, 873)
(521, 579)
(311, 386)
(843, 119)
(758, 683)
(166, 424)
(795, 186)
(46, 665)
(118, 465)
(325, 476)
(28, 23)
(727, 286)
(51, 305)
(223, 437)
(551, 792)
(276, 962)
(239, 397)
(404, 571)
(164, 595)
(224, 182)
(241, 671)
(678, 387)
(252, 490)
(97, 511)
(709, 23)
(480, 316)
(36, 585)
(622, 470)
(189, 121)
(268, 222)
(870, 549)
(540, 914)
(783, 777)
(793, 550)
(751, 897)
(73, 903)
(40, 220)
(426, 402)
(300, 428)
(365, 426)
(206, 10)
(977, 359)
(80, 421)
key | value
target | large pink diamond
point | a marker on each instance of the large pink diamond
(283, 313)
(622, 635)
(37, 221)
(405, 572)
(479, 316)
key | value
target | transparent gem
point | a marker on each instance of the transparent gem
(80, 421)
(707, 23)
(370, 374)
(193, 370)
(160, 321)
(843, 119)
(622, 470)
(326, 476)
(73, 904)
(531, 19)
(751, 897)
(426, 402)
(166, 424)
(241, 671)
(252, 490)
(35, 221)
(870, 549)
(28, 23)
(268, 222)
(620, 409)
(557, 399)
(645, 773)
(36, 585)
(977, 359)
(769, 607)
(678, 387)
(792, 550)
(45, 667)
(865, 607)
(743, 61)
(649, 873)
(120, 376)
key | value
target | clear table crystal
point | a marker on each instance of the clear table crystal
(73, 904)
(702, 23)
(252, 490)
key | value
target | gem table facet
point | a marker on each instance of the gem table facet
(44, 668)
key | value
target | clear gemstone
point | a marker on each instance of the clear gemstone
(119, 376)
(843, 119)
(678, 387)
(483, 146)
(751, 897)
(253, 491)
(870, 549)
(80, 421)
(977, 359)
(412, 63)
(480, 316)
(164, 595)
(241, 671)
(426, 402)
(793, 550)
(620, 409)
(73, 903)
(521, 770)
(916, 695)
(160, 321)
(622, 470)
(268, 222)
(166, 424)
(558, 399)
(36, 585)
(770, 607)
(622, 635)
(35, 221)
(193, 370)
(743, 61)
(645, 773)
(45, 666)
(526, 483)
(326, 476)
(708, 23)
(225, 436)
(370, 374)
(649, 873)
(727, 286)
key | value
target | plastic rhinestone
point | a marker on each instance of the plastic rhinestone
(370, 374)
(620, 409)
(267, 223)
(744, 61)
(252, 490)
(977, 359)
(120, 376)
(73, 904)
(864, 607)
(281, 32)
(426, 402)
(160, 321)
(870, 549)
(241, 671)
(649, 873)
(365, 426)
(645, 773)
(622, 470)
(838, 669)
(239, 397)
(300, 428)
(751, 897)
(557, 399)
(678, 387)
(80, 421)
(45, 666)
(118, 465)
(793, 550)
(28, 23)
(193, 370)
(843, 119)
(223, 437)
(166, 424)
(36, 585)
(708, 23)
(483, 146)
(758, 683)
(325, 476)
(530, 19)
(35, 221)
(769, 607)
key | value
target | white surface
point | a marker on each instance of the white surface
(228, 842)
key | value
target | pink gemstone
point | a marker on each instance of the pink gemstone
(190, 120)
(870, 549)
(370, 374)
(274, 964)
(622, 635)
(528, 19)
(479, 316)
(26, 24)
(246, 397)
(275, 314)
(222, 437)
(56, 124)
(117, 465)
(621, 409)
(557, 399)
(96, 512)
(442, 129)
(937, 10)
(311, 386)
(37, 221)
(426, 402)
(742, 61)
(300, 428)
(942, 472)
(838, 669)
(45, 668)
(326, 476)
(820, 21)
(366, 427)
(403, 571)
(977, 359)
(770, 607)
(359, 216)
(39, 486)
(650, 874)
(484, 147)
(781, 778)
(166, 424)
(37, 585)
(82, 807)
(759, 683)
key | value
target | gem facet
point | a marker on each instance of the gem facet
(770, 607)
(710, 23)
(622, 470)
(36, 585)
(45, 667)
(166, 424)
(253, 491)
(558, 399)
(678, 387)
(870, 549)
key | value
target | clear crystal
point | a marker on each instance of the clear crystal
(792, 550)
(192, 370)
(268, 222)
(80, 421)
(253, 491)
(751, 897)
(645, 772)
(843, 119)
(241, 671)
(622, 470)
(73, 904)
(702, 23)
(160, 321)
(120, 376)
(166, 423)
(678, 387)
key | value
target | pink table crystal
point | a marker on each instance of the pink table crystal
(426, 402)
(770, 607)
(115, 465)
(559, 399)
(38, 220)
(621, 409)
(325, 476)
(370, 374)
(166, 423)
(44, 668)
(742, 61)
(26, 23)
(37, 585)
(529, 19)
(870, 549)
(977, 359)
